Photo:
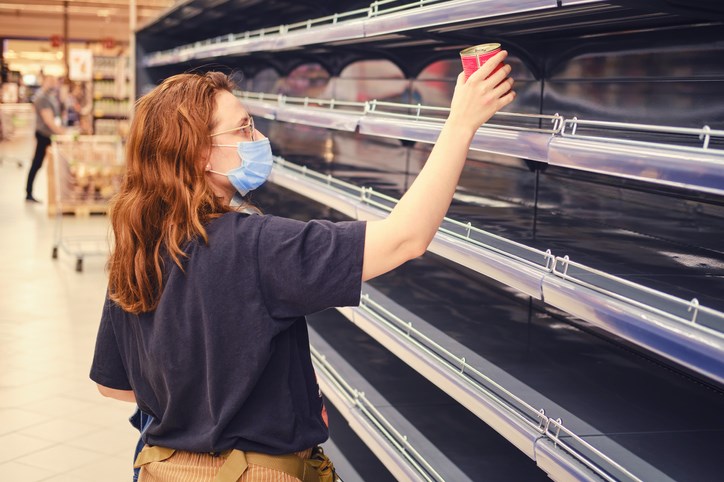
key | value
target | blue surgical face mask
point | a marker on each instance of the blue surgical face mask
(256, 165)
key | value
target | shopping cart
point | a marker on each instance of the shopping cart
(85, 173)
(17, 128)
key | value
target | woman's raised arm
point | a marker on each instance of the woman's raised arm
(408, 230)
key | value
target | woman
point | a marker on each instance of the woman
(204, 326)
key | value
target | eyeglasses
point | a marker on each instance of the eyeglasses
(247, 130)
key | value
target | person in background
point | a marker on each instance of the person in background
(203, 325)
(47, 123)
(74, 104)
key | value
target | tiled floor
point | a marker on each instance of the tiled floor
(54, 426)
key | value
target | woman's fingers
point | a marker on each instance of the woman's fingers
(484, 71)
(499, 76)
(506, 99)
(503, 87)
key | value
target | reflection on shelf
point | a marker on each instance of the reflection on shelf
(679, 330)
(551, 139)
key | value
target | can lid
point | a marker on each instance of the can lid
(480, 49)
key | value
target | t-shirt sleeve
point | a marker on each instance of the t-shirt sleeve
(43, 102)
(307, 267)
(107, 368)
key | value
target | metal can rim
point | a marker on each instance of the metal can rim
(480, 49)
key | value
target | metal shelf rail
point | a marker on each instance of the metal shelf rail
(515, 419)
(523, 135)
(693, 167)
(422, 13)
(260, 103)
(326, 113)
(380, 18)
(530, 141)
(396, 451)
(677, 329)
(681, 331)
(340, 26)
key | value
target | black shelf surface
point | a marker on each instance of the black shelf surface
(645, 407)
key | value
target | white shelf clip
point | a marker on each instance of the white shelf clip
(550, 265)
(693, 306)
(705, 136)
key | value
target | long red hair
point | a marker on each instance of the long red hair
(165, 199)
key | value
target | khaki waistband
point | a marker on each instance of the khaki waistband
(237, 462)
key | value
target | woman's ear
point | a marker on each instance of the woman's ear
(208, 166)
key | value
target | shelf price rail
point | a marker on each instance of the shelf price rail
(379, 18)
(686, 165)
(280, 37)
(519, 422)
(522, 135)
(551, 139)
(681, 331)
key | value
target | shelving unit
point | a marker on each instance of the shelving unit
(619, 94)
(111, 89)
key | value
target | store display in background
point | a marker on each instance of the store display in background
(111, 87)
(110, 127)
(80, 65)
(17, 125)
(9, 93)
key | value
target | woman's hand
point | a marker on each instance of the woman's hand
(475, 101)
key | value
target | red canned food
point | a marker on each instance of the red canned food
(474, 57)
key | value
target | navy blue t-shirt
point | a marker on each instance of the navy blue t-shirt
(224, 362)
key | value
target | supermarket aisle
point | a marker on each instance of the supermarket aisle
(54, 426)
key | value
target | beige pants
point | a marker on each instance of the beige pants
(194, 467)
